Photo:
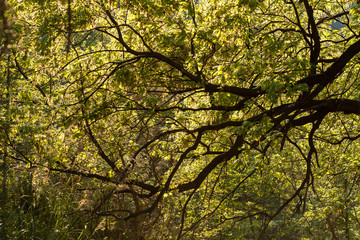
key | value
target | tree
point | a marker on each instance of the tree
(221, 119)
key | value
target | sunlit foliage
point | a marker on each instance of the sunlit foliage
(179, 119)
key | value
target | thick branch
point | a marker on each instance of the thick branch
(244, 92)
(335, 69)
(346, 106)
(315, 47)
(212, 165)
(322, 107)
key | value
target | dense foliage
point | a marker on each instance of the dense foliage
(179, 119)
